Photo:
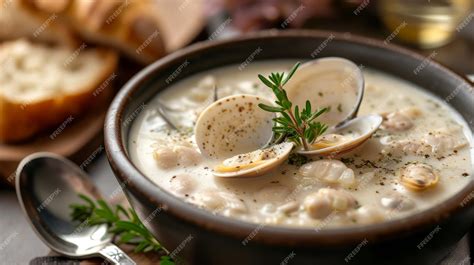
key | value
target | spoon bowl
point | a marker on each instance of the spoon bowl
(46, 185)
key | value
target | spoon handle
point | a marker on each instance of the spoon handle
(470, 77)
(115, 255)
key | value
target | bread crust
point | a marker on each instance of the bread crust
(19, 22)
(20, 121)
(128, 25)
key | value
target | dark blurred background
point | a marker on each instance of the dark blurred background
(443, 26)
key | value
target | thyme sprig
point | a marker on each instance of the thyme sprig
(300, 127)
(123, 224)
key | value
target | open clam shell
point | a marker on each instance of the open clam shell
(233, 125)
(328, 82)
(336, 83)
(418, 176)
(254, 163)
(235, 130)
(345, 137)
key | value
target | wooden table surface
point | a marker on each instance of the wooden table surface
(19, 244)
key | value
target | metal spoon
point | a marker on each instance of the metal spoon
(46, 184)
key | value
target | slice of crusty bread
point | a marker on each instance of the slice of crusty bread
(46, 88)
(16, 22)
(132, 26)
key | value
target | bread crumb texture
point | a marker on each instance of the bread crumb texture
(42, 85)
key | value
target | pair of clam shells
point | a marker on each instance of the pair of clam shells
(236, 131)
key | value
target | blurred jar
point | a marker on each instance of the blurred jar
(426, 24)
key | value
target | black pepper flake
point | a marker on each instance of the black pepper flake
(465, 174)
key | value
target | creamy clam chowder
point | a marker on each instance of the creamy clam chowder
(418, 157)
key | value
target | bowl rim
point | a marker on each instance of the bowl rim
(139, 185)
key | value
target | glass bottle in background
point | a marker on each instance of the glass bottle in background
(424, 23)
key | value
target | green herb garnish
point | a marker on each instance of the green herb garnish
(123, 224)
(300, 127)
(297, 159)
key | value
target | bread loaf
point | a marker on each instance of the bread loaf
(17, 22)
(128, 25)
(46, 88)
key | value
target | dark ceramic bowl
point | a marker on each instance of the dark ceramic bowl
(199, 237)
